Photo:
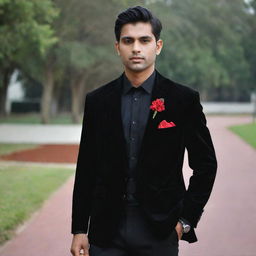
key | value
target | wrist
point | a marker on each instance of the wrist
(79, 233)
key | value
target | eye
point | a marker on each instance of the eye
(145, 40)
(127, 40)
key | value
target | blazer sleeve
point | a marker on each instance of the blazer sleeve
(85, 173)
(202, 160)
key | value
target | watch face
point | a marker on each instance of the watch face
(186, 228)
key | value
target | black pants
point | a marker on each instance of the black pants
(135, 238)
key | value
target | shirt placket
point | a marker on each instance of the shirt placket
(133, 138)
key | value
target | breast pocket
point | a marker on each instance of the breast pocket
(170, 131)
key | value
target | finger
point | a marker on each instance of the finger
(75, 252)
(179, 233)
(84, 252)
(81, 252)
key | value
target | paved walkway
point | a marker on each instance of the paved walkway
(227, 227)
(40, 134)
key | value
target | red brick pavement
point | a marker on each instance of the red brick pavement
(57, 153)
(227, 227)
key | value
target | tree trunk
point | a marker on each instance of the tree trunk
(3, 90)
(76, 90)
(46, 101)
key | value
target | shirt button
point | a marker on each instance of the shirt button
(133, 122)
(136, 99)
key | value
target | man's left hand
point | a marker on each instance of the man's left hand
(179, 230)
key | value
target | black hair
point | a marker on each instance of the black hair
(137, 14)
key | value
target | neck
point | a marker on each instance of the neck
(137, 78)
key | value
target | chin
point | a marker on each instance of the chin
(137, 69)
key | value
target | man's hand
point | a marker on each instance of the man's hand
(179, 230)
(80, 242)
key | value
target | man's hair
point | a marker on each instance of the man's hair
(137, 14)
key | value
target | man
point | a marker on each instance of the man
(129, 188)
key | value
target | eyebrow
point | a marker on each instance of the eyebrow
(142, 37)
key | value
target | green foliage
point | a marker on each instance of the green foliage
(25, 28)
(209, 45)
(85, 34)
(204, 43)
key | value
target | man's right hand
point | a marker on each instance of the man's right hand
(80, 242)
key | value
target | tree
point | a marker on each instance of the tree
(205, 46)
(24, 30)
(249, 43)
(86, 39)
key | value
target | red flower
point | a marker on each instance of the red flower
(158, 106)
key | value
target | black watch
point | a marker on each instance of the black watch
(185, 226)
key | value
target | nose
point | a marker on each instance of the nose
(136, 47)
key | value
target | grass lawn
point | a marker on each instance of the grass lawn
(23, 189)
(9, 148)
(247, 132)
(35, 118)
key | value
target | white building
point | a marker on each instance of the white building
(15, 92)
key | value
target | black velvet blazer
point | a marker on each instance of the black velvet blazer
(102, 160)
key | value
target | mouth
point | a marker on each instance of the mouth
(136, 58)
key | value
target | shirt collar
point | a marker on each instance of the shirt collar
(147, 85)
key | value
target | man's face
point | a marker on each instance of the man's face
(138, 47)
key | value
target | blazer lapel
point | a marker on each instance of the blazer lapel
(113, 108)
(157, 92)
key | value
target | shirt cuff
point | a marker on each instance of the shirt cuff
(79, 232)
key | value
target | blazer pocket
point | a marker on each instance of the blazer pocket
(167, 131)
(167, 128)
(173, 194)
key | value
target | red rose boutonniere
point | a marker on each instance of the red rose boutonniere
(158, 106)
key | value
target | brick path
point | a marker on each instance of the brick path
(57, 153)
(226, 229)
(228, 226)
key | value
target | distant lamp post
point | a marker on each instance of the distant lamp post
(253, 101)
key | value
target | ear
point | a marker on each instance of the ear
(117, 47)
(159, 46)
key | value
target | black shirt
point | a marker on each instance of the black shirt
(135, 110)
